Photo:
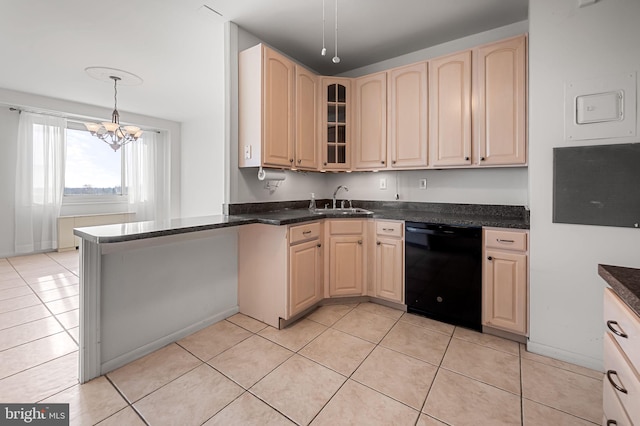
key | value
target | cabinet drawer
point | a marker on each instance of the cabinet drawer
(620, 373)
(346, 227)
(612, 408)
(621, 321)
(506, 240)
(389, 228)
(308, 231)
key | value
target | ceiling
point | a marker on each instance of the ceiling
(176, 46)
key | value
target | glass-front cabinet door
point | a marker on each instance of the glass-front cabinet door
(336, 139)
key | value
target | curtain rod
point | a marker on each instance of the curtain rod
(74, 118)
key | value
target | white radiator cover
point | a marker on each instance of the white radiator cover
(68, 241)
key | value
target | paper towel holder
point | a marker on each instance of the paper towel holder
(272, 179)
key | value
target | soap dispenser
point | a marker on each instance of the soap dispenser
(312, 202)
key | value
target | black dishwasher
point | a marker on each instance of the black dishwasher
(443, 273)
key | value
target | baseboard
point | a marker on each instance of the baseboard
(504, 334)
(130, 356)
(562, 355)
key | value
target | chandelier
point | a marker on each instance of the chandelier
(112, 133)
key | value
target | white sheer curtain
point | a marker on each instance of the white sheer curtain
(39, 181)
(148, 173)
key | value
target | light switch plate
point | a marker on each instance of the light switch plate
(247, 152)
(383, 183)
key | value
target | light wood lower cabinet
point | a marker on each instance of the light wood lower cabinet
(305, 275)
(389, 261)
(345, 269)
(280, 270)
(621, 387)
(505, 280)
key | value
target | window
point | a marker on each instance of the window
(91, 166)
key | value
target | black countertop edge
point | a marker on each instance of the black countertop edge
(625, 282)
(132, 231)
(505, 211)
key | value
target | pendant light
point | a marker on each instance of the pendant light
(323, 52)
(336, 58)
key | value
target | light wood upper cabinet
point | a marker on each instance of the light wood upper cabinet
(335, 140)
(505, 288)
(277, 145)
(407, 116)
(370, 122)
(450, 110)
(307, 117)
(500, 116)
(265, 108)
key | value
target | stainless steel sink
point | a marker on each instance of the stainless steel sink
(344, 211)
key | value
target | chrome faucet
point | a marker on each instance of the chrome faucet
(336, 192)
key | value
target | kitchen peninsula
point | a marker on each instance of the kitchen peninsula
(147, 284)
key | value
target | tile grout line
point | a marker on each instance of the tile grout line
(129, 403)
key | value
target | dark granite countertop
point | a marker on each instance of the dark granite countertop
(131, 231)
(625, 282)
(292, 212)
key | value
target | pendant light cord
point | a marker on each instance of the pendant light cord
(336, 41)
(324, 48)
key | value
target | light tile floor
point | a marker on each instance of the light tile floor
(343, 364)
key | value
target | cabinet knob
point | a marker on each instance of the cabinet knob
(325, 163)
(489, 258)
(378, 243)
(481, 158)
(319, 245)
(466, 158)
(612, 423)
(382, 162)
(393, 162)
(291, 160)
(360, 242)
(299, 161)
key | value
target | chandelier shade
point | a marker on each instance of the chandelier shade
(112, 133)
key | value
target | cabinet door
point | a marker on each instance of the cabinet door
(370, 122)
(277, 149)
(306, 152)
(407, 116)
(450, 110)
(345, 265)
(336, 123)
(505, 291)
(389, 280)
(501, 110)
(305, 276)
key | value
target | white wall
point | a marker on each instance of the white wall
(568, 43)
(203, 138)
(487, 186)
(8, 138)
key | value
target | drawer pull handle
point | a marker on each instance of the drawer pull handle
(614, 331)
(612, 423)
(500, 240)
(306, 232)
(615, 385)
(388, 229)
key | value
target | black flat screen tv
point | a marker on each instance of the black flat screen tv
(597, 185)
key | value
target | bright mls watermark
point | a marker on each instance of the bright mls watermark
(34, 414)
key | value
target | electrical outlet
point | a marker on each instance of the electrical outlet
(423, 184)
(247, 152)
(383, 183)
